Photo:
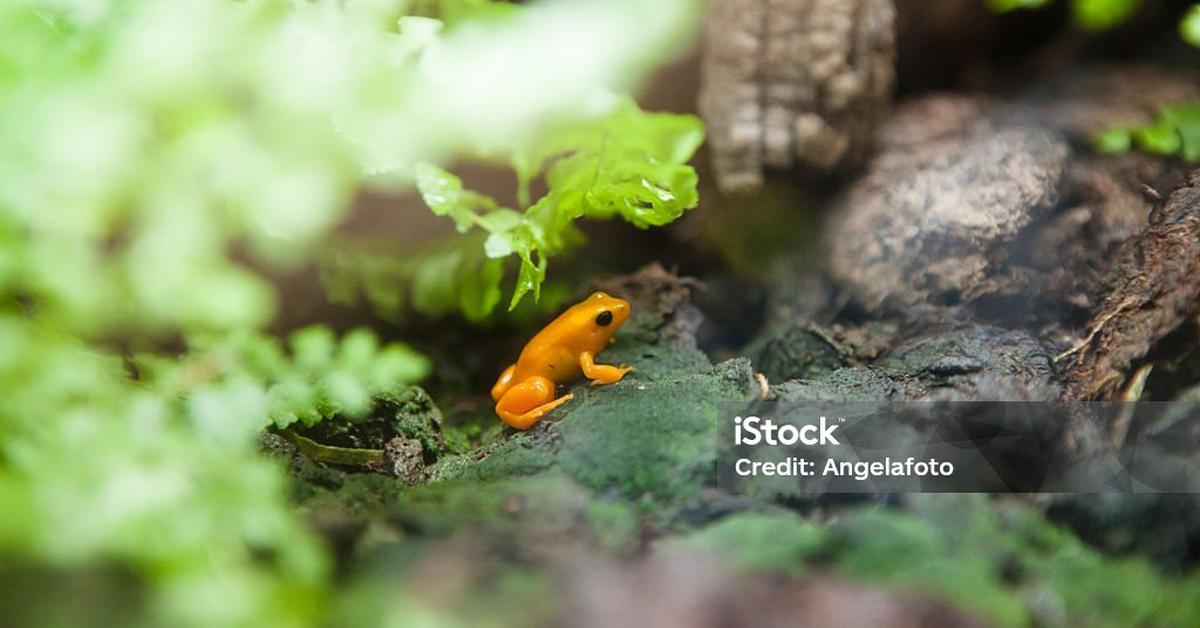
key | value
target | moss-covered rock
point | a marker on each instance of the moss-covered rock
(408, 413)
(858, 383)
(777, 542)
(977, 362)
(522, 514)
(997, 559)
(651, 439)
(647, 439)
(519, 454)
(797, 352)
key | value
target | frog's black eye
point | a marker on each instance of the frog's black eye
(604, 318)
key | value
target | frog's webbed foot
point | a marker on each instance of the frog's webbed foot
(605, 374)
(601, 373)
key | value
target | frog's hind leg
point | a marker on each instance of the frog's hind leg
(527, 402)
(504, 383)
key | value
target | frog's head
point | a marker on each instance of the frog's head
(600, 315)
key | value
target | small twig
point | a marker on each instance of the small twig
(1094, 330)
(1133, 392)
(764, 387)
(1151, 192)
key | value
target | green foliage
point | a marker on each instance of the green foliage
(624, 163)
(248, 378)
(1189, 26)
(97, 470)
(1088, 15)
(452, 12)
(161, 161)
(450, 276)
(1004, 6)
(627, 163)
(759, 542)
(1099, 15)
(1175, 132)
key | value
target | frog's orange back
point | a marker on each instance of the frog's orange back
(586, 326)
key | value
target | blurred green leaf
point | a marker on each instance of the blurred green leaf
(1186, 121)
(322, 378)
(1189, 26)
(1174, 131)
(163, 163)
(1004, 6)
(1088, 15)
(1114, 141)
(1160, 138)
(1099, 15)
(444, 194)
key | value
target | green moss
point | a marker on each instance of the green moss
(407, 412)
(914, 553)
(997, 559)
(767, 542)
(653, 440)
(527, 511)
(413, 414)
(499, 594)
(640, 343)
(650, 439)
(523, 453)
(614, 524)
(844, 384)
(796, 353)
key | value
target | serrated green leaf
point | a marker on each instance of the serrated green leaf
(358, 349)
(445, 195)
(529, 278)
(313, 347)
(346, 393)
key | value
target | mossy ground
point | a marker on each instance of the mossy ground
(626, 472)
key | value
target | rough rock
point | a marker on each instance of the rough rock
(934, 217)
(975, 362)
(798, 352)
(1030, 233)
(944, 360)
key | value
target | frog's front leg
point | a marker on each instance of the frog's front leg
(601, 373)
(528, 401)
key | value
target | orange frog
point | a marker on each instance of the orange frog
(558, 354)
